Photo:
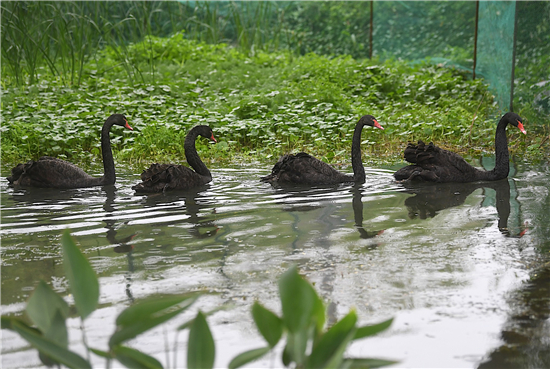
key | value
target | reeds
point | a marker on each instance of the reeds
(64, 36)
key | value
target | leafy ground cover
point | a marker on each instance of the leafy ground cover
(259, 106)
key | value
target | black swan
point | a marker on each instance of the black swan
(434, 164)
(49, 172)
(164, 177)
(304, 169)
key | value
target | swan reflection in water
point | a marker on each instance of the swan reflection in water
(305, 198)
(430, 198)
(357, 204)
(194, 201)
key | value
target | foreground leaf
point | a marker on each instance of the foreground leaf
(81, 276)
(269, 324)
(148, 314)
(370, 330)
(329, 351)
(248, 357)
(132, 358)
(57, 332)
(201, 349)
(53, 350)
(43, 305)
(104, 354)
(298, 299)
(367, 363)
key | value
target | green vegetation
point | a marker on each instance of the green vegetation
(303, 321)
(66, 66)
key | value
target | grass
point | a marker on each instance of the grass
(66, 66)
(259, 107)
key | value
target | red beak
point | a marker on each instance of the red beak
(377, 125)
(213, 138)
(520, 126)
(128, 126)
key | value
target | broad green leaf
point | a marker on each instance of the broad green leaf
(367, 363)
(269, 324)
(104, 354)
(296, 345)
(287, 356)
(135, 359)
(248, 357)
(43, 305)
(81, 276)
(46, 346)
(201, 349)
(329, 351)
(370, 330)
(319, 314)
(57, 332)
(148, 314)
(154, 306)
(299, 300)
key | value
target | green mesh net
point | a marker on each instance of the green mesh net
(495, 48)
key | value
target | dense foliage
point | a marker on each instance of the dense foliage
(264, 105)
(66, 66)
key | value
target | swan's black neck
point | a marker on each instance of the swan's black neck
(502, 157)
(192, 156)
(109, 176)
(356, 162)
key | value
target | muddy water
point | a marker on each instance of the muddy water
(463, 269)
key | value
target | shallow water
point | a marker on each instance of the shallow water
(463, 269)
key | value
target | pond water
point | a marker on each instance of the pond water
(463, 269)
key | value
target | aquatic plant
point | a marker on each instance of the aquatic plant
(308, 343)
(303, 321)
(48, 313)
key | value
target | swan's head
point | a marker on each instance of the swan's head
(369, 120)
(206, 132)
(119, 120)
(515, 120)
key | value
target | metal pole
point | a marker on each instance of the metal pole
(513, 56)
(475, 39)
(370, 30)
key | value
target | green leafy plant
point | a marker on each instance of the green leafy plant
(48, 313)
(308, 343)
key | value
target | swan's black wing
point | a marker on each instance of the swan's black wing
(165, 177)
(434, 164)
(303, 168)
(50, 172)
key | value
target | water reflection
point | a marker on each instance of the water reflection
(357, 205)
(525, 334)
(121, 245)
(442, 274)
(430, 198)
(193, 201)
